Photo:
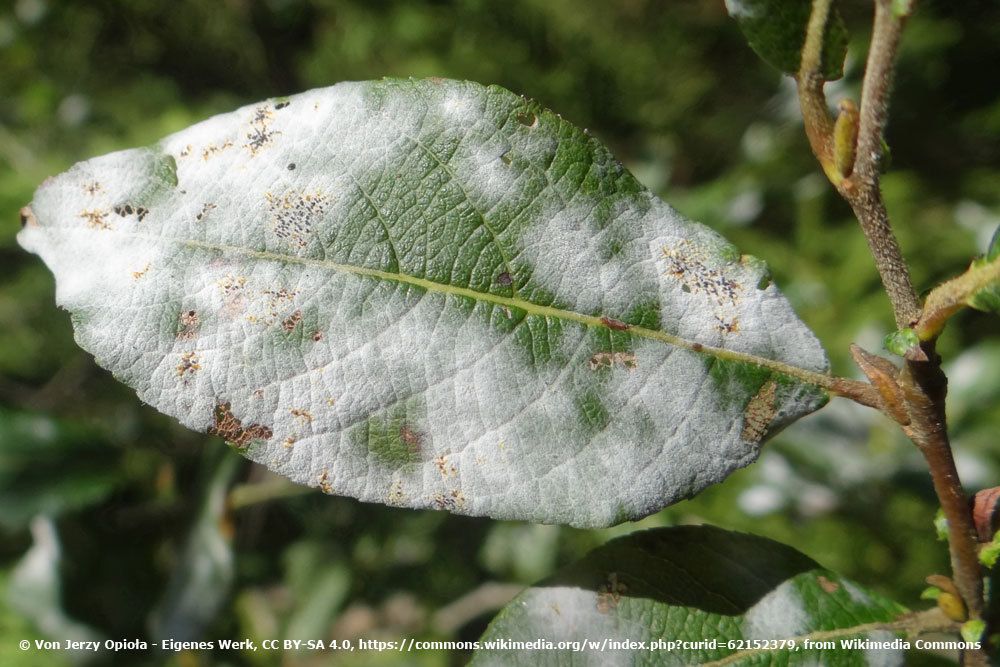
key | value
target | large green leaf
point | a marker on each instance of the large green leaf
(429, 294)
(776, 30)
(699, 587)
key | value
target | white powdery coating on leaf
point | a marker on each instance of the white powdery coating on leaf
(739, 9)
(883, 657)
(242, 274)
(857, 595)
(778, 615)
(563, 614)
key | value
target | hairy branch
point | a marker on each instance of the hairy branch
(862, 190)
(914, 397)
(924, 386)
(860, 185)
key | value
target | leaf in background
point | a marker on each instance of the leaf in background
(35, 591)
(427, 294)
(318, 586)
(34, 475)
(202, 577)
(776, 30)
(692, 583)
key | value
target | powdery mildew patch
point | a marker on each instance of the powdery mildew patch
(778, 615)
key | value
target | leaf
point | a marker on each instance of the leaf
(973, 630)
(35, 591)
(694, 584)
(902, 342)
(987, 297)
(201, 579)
(429, 294)
(978, 287)
(776, 30)
(34, 477)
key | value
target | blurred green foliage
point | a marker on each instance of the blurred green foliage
(675, 91)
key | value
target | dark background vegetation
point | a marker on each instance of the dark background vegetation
(124, 507)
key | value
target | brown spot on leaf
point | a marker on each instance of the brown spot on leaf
(727, 325)
(759, 412)
(288, 324)
(295, 214)
(324, 482)
(446, 469)
(213, 149)
(185, 151)
(260, 134)
(451, 501)
(505, 279)
(281, 105)
(261, 115)
(617, 325)
(288, 442)
(609, 594)
(317, 336)
(696, 276)
(526, 118)
(204, 211)
(188, 364)
(827, 585)
(304, 415)
(95, 218)
(396, 495)
(231, 429)
(410, 438)
(610, 359)
(140, 273)
(28, 217)
(126, 209)
(233, 296)
(188, 325)
(92, 188)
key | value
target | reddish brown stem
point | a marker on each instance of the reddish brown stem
(924, 385)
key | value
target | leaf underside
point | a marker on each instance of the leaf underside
(694, 584)
(426, 294)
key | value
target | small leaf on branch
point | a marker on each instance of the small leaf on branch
(972, 631)
(989, 553)
(978, 287)
(941, 526)
(905, 343)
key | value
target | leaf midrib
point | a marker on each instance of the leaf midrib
(805, 375)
